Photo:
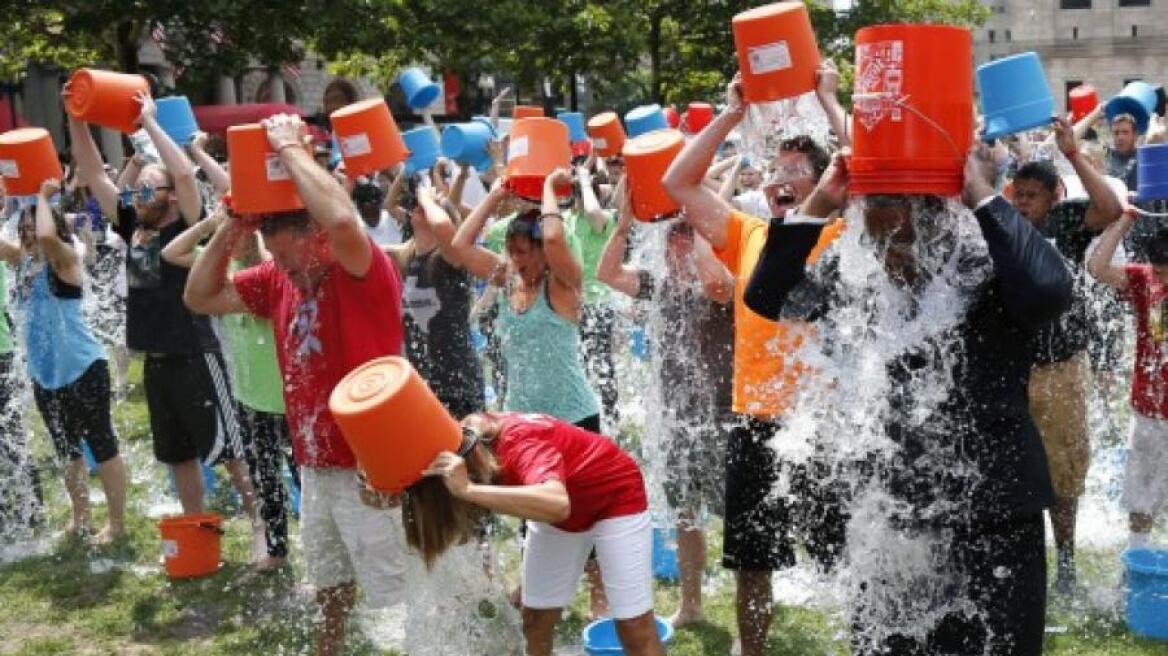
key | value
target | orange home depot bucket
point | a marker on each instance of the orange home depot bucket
(259, 182)
(392, 421)
(777, 53)
(368, 137)
(190, 544)
(537, 147)
(608, 135)
(647, 157)
(912, 123)
(28, 158)
(526, 111)
(106, 98)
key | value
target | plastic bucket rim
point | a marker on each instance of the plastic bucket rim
(665, 632)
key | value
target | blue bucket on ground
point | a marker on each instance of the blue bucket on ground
(1014, 95)
(1137, 99)
(575, 123)
(645, 118)
(1152, 163)
(600, 637)
(423, 145)
(665, 554)
(177, 119)
(1147, 592)
(466, 143)
(419, 89)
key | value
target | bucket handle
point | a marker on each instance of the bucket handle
(211, 526)
(1150, 215)
(902, 102)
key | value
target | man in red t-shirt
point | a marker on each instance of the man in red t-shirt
(1145, 286)
(334, 301)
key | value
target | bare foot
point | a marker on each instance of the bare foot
(108, 535)
(681, 620)
(268, 564)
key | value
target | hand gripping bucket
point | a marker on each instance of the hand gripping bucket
(600, 637)
(190, 545)
(1147, 593)
(466, 143)
(27, 159)
(1152, 162)
(368, 137)
(537, 147)
(697, 116)
(392, 421)
(645, 118)
(259, 182)
(1082, 100)
(423, 146)
(526, 111)
(912, 123)
(647, 157)
(177, 119)
(777, 52)
(106, 98)
(608, 135)
(420, 91)
(1014, 95)
(1137, 99)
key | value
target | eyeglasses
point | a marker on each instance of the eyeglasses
(144, 194)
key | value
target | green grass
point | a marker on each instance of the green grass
(74, 599)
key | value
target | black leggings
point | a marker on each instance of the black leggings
(266, 444)
(80, 409)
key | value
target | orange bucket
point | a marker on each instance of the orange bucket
(608, 135)
(647, 157)
(697, 116)
(392, 421)
(190, 545)
(777, 53)
(28, 158)
(912, 123)
(526, 111)
(259, 182)
(537, 147)
(368, 137)
(106, 98)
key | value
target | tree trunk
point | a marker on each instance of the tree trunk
(126, 47)
(655, 57)
(573, 93)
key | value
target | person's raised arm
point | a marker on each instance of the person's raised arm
(459, 186)
(717, 281)
(706, 212)
(827, 91)
(10, 252)
(1087, 122)
(542, 502)
(1105, 207)
(181, 250)
(1099, 264)
(497, 106)
(214, 170)
(210, 289)
(91, 167)
(128, 176)
(562, 263)
(611, 268)
(441, 226)
(326, 200)
(595, 215)
(479, 261)
(63, 257)
(730, 181)
(180, 167)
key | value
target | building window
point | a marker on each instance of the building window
(1135, 3)
(1074, 4)
(991, 35)
(1135, 31)
(1009, 37)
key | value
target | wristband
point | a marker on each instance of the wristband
(1071, 155)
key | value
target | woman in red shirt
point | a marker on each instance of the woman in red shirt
(577, 489)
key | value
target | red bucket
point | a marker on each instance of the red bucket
(913, 119)
(1083, 100)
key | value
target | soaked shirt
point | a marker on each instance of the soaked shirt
(1149, 299)
(1066, 228)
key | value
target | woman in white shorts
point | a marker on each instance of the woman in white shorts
(578, 491)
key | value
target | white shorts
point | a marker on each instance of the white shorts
(1145, 478)
(553, 561)
(346, 541)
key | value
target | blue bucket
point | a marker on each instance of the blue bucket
(1147, 592)
(600, 637)
(466, 143)
(1152, 162)
(293, 487)
(423, 146)
(419, 89)
(575, 123)
(645, 118)
(177, 119)
(665, 554)
(1014, 95)
(1138, 99)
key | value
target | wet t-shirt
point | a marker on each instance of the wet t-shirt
(1149, 298)
(1066, 228)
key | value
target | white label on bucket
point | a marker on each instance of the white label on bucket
(356, 145)
(9, 169)
(517, 148)
(769, 58)
(878, 90)
(169, 549)
(600, 143)
(275, 167)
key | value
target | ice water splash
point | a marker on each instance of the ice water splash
(766, 125)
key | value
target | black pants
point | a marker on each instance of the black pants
(22, 499)
(266, 445)
(596, 329)
(79, 410)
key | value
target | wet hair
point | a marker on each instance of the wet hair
(1042, 172)
(526, 224)
(64, 230)
(1158, 248)
(1131, 120)
(346, 88)
(815, 153)
(297, 220)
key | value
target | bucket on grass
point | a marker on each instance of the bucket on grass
(259, 182)
(608, 135)
(697, 116)
(600, 637)
(1082, 100)
(665, 554)
(1152, 163)
(526, 111)
(1014, 95)
(392, 421)
(368, 137)
(423, 147)
(647, 158)
(1137, 99)
(27, 159)
(537, 147)
(420, 91)
(645, 118)
(190, 544)
(777, 52)
(1147, 592)
(177, 119)
(106, 98)
(467, 143)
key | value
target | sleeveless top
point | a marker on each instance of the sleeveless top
(436, 300)
(542, 352)
(61, 346)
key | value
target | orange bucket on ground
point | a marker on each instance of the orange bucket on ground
(608, 135)
(647, 157)
(190, 545)
(526, 111)
(106, 98)
(912, 122)
(777, 52)
(392, 421)
(368, 137)
(259, 182)
(28, 158)
(537, 147)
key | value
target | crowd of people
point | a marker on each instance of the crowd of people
(246, 323)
